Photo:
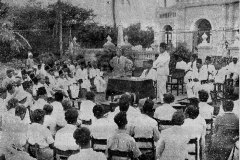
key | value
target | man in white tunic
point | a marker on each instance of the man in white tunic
(162, 66)
(149, 73)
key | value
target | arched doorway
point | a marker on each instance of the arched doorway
(201, 26)
(168, 34)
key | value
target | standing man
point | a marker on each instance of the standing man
(30, 62)
(120, 64)
(162, 66)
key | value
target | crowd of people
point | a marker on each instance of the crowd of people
(37, 111)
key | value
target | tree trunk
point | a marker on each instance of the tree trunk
(60, 29)
(114, 13)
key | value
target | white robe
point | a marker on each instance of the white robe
(162, 66)
(152, 74)
(99, 82)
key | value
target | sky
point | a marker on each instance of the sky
(142, 11)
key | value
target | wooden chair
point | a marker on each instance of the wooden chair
(177, 75)
(33, 150)
(147, 150)
(163, 123)
(98, 142)
(113, 153)
(89, 122)
(209, 122)
(196, 148)
(63, 155)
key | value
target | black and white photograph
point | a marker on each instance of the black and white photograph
(119, 79)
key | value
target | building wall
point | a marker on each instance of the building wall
(223, 17)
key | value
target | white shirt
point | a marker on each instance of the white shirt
(146, 127)
(208, 68)
(86, 110)
(152, 74)
(39, 134)
(92, 73)
(39, 104)
(58, 113)
(233, 68)
(88, 154)
(164, 112)
(64, 138)
(236, 107)
(181, 65)
(50, 121)
(205, 110)
(79, 74)
(175, 140)
(220, 75)
(161, 63)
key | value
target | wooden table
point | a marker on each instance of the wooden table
(141, 87)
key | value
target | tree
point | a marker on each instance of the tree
(11, 42)
(140, 37)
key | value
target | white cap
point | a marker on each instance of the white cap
(30, 54)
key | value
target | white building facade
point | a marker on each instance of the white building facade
(187, 21)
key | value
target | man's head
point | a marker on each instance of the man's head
(235, 60)
(98, 111)
(199, 63)
(192, 112)
(208, 60)
(194, 101)
(203, 96)
(27, 86)
(71, 116)
(38, 116)
(67, 104)
(3, 93)
(41, 92)
(168, 98)
(119, 52)
(58, 96)
(90, 96)
(178, 118)
(20, 111)
(228, 106)
(12, 103)
(124, 103)
(48, 109)
(148, 107)
(163, 47)
(82, 137)
(149, 64)
(10, 88)
(121, 120)
(9, 73)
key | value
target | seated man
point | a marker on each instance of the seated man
(42, 96)
(58, 111)
(86, 108)
(121, 140)
(49, 120)
(149, 73)
(233, 69)
(39, 134)
(173, 141)
(124, 106)
(64, 140)
(180, 63)
(82, 137)
(196, 126)
(165, 111)
(101, 127)
(146, 126)
(205, 110)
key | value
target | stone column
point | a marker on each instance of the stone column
(230, 20)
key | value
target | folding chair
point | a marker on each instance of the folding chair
(197, 151)
(63, 155)
(146, 150)
(116, 153)
(99, 142)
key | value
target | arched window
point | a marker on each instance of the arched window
(204, 26)
(168, 34)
